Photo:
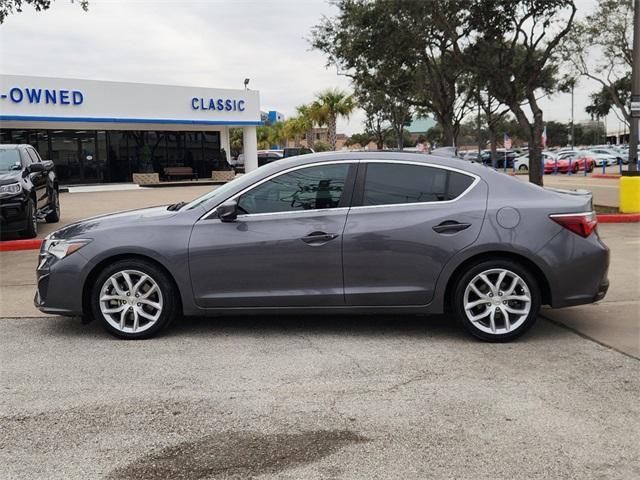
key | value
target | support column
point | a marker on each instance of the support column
(225, 142)
(250, 142)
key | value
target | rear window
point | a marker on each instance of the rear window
(395, 183)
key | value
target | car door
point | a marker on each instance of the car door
(407, 220)
(39, 179)
(284, 249)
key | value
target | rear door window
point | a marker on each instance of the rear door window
(397, 183)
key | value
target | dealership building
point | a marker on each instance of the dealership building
(99, 132)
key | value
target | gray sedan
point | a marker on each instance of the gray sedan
(335, 233)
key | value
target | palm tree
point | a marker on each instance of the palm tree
(295, 128)
(306, 122)
(277, 134)
(328, 106)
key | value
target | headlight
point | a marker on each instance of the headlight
(10, 189)
(63, 248)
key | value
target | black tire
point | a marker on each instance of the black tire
(169, 295)
(523, 168)
(465, 279)
(31, 230)
(54, 215)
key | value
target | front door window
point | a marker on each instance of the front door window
(311, 188)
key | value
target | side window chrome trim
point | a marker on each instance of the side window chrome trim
(207, 215)
(315, 211)
(476, 180)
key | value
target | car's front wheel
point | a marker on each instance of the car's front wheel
(31, 220)
(54, 204)
(496, 300)
(523, 168)
(134, 299)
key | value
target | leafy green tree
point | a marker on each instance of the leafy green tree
(305, 118)
(398, 50)
(361, 139)
(607, 99)
(599, 47)
(294, 128)
(8, 7)
(322, 147)
(515, 49)
(328, 106)
(557, 134)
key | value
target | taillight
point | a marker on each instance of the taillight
(581, 223)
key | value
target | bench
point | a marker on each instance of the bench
(177, 172)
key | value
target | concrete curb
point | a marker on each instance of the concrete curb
(13, 245)
(618, 217)
(613, 176)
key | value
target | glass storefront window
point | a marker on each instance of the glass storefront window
(91, 156)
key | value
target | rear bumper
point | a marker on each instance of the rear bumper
(602, 290)
(577, 269)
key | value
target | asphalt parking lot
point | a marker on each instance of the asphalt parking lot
(320, 397)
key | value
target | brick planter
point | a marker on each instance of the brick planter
(146, 178)
(223, 175)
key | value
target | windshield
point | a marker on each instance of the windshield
(221, 192)
(9, 160)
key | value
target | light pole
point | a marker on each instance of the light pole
(630, 181)
(573, 83)
(635, 92)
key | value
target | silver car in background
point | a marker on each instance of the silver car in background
(335, 233)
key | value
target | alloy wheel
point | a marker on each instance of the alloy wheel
(497, 301)
(131, 301)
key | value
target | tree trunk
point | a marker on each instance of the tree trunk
(308, 138)
(448, 132)
(493, 139)
(535, 139)
(399, 132)
(331, 124)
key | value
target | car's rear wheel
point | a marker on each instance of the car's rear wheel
(497, 300)
(134, 299)
(31, 230)
(523, 168)
(54, 214)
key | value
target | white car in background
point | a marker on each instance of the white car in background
(521, 163)
(601, 158)
(614, 152)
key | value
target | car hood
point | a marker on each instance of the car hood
(10, 177)
(91, 225)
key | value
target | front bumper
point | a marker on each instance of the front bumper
(60, 282)
(13, 213)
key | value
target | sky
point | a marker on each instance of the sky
(211, 43)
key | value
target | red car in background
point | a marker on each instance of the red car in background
(575, 163)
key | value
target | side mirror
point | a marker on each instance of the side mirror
(228, 211)
(36, 167)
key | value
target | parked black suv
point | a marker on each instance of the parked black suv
(28, 190)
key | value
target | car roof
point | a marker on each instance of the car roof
(417, 157)
(13, 146)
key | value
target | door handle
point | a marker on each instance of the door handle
(318, 237)
(450, 226)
